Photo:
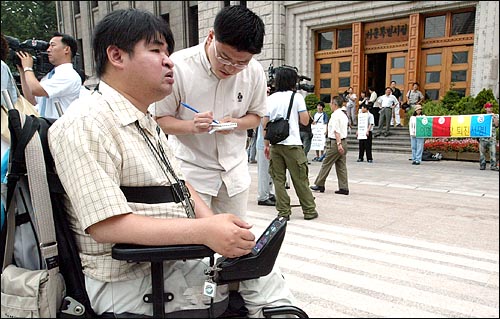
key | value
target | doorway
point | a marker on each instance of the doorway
(375, 72)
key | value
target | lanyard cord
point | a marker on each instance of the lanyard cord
(165, 166)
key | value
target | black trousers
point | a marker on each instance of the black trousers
(366, 145)
(376, 114)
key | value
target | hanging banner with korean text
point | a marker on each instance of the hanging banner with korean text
(478, 125)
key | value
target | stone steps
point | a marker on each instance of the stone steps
(397, 142)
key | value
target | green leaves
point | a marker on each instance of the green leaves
(29, 19)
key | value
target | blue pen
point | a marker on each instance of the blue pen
(195, 110)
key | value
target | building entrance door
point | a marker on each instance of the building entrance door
(375, 72)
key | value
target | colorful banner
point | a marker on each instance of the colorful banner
(454, 126)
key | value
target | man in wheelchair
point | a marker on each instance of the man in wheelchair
(124, 185)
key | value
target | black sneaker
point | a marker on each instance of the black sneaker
(321, 189)
(342, 191)
(266, 202)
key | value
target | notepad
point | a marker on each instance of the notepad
(222, 127)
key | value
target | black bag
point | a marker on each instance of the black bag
(278, 129)
(76, 302)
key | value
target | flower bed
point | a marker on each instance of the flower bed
(444, 145)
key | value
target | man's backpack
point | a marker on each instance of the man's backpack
(37, 242)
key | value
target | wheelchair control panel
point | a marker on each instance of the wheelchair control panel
(259, 262)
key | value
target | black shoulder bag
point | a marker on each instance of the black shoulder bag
(278, 129)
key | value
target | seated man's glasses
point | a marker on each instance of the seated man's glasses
(227, 62)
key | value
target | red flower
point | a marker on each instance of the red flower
(452, 145)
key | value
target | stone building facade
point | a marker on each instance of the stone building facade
(440, 44)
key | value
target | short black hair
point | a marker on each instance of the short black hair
(69, 41)
(124, 29)
(285, 79)
(240, 28)
(321, 103)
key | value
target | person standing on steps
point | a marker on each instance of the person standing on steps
(387, 103)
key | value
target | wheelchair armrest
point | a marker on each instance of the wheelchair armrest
(136, 253)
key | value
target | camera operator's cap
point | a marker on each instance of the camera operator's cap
(418, 107)
(488, 105)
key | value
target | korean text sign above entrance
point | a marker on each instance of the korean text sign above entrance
(386, 31)
(454, 126)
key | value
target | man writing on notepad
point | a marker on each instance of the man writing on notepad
(220, 79)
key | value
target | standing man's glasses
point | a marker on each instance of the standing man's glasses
(227, 62)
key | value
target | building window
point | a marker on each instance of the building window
(460, 57)
(345, 66)
(461, 92)
(326, 98)
(435, 27)
(462, 23)
(432, 77)
(325, 83)
(94, 4)
(432, 95)
(325, 41)
(227, 3)
(399, 78)
(325, 68)
(398, 63)
(433, 59)
(76, 7)
(345, 82)
(80, 62)
(336, 39)
(166, 17)
(344, 38)
(193, 24)
(459, 76)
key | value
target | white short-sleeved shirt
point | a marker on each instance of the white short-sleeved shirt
(388, 100)
(278, 104)
(320, 118)
(208, 160)
(63, 87)
(338, 123)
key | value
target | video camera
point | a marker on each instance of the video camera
(300, 85)
(37, 48)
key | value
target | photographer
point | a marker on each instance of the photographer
(62, 84)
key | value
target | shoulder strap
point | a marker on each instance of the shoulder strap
(40, 197)
(290, 106)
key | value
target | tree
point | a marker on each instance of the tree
(29, 19)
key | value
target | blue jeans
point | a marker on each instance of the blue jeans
(417, 148)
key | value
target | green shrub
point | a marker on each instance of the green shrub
(486, 95)
(450, 99)
(311, 101)
(466, 105)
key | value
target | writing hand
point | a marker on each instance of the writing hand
(202, 122)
